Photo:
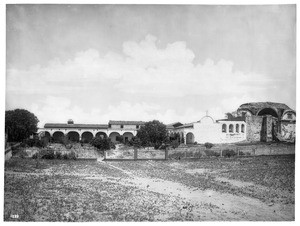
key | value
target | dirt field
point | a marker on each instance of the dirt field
(257, 188)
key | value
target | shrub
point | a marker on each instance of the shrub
(70, 156)
(102, 143)
(23, 154)
(208, 145)
(229, 153)
(50, 154)
(176, 155)
(198, 154)
(35, 156)
(174, 144)
(195, 142)
(212, 153)
(135, 142)
(34, 142)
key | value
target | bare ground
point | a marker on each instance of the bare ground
(208, 189)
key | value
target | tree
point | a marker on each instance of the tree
(152, 134)
(20, 124)
(231, 115)
(102, 144)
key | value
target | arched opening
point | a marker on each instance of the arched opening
(73, 136)
(268, 111)
(101, 134)
(237, 128)
(47, 137)
(224, 128)
(47, 134)
(230, 128)
(58, 136)
(113, 136)
(86, 137)
(190, 138)
(243, 128)
(127, 136)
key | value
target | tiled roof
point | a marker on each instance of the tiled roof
(85, 126)
(111, 122)
(174, 125)
(186, 125)
(232, 119)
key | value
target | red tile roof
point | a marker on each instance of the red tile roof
(111, 122)
(85, 126)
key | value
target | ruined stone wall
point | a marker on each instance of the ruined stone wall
(288, 130)
(254, 128)
(267, 128)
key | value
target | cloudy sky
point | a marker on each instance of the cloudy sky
(93, 63)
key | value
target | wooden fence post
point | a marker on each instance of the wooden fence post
(221, 152)
(135, 154)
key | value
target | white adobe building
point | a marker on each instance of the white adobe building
(209, 130)
(86, 132)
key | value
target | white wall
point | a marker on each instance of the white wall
(209, 131)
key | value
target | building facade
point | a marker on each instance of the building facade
(209, 130)
(86, 132)
(259, 121)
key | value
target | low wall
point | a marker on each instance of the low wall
(8, 151)
(218, 150)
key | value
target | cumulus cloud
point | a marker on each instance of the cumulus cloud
(142, 69)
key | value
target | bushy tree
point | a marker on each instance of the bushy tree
(102, 143)
(20, 124)
(135, 142)
(152, 134)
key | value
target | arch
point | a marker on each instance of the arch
(190, 139)
(113, 136)
(289, 115)
(207, 120)
(243, 128)
(127, 136)
(237, 128)
(230, 128)
(47, 134)
(224, 128)
(101, 134)
(86, 136)
(73, 136)
(58, 136)
(268, 111)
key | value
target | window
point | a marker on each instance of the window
(289, 116)
(137, 126)
(237, 128)
(122, 126)
(230, 128)
(224, 128)
(243, 128)
(109, 125)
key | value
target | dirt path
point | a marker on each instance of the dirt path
(234, 207)
(221, 206)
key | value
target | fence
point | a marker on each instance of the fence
(138, 154)
(8, 151)
(231, 150)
